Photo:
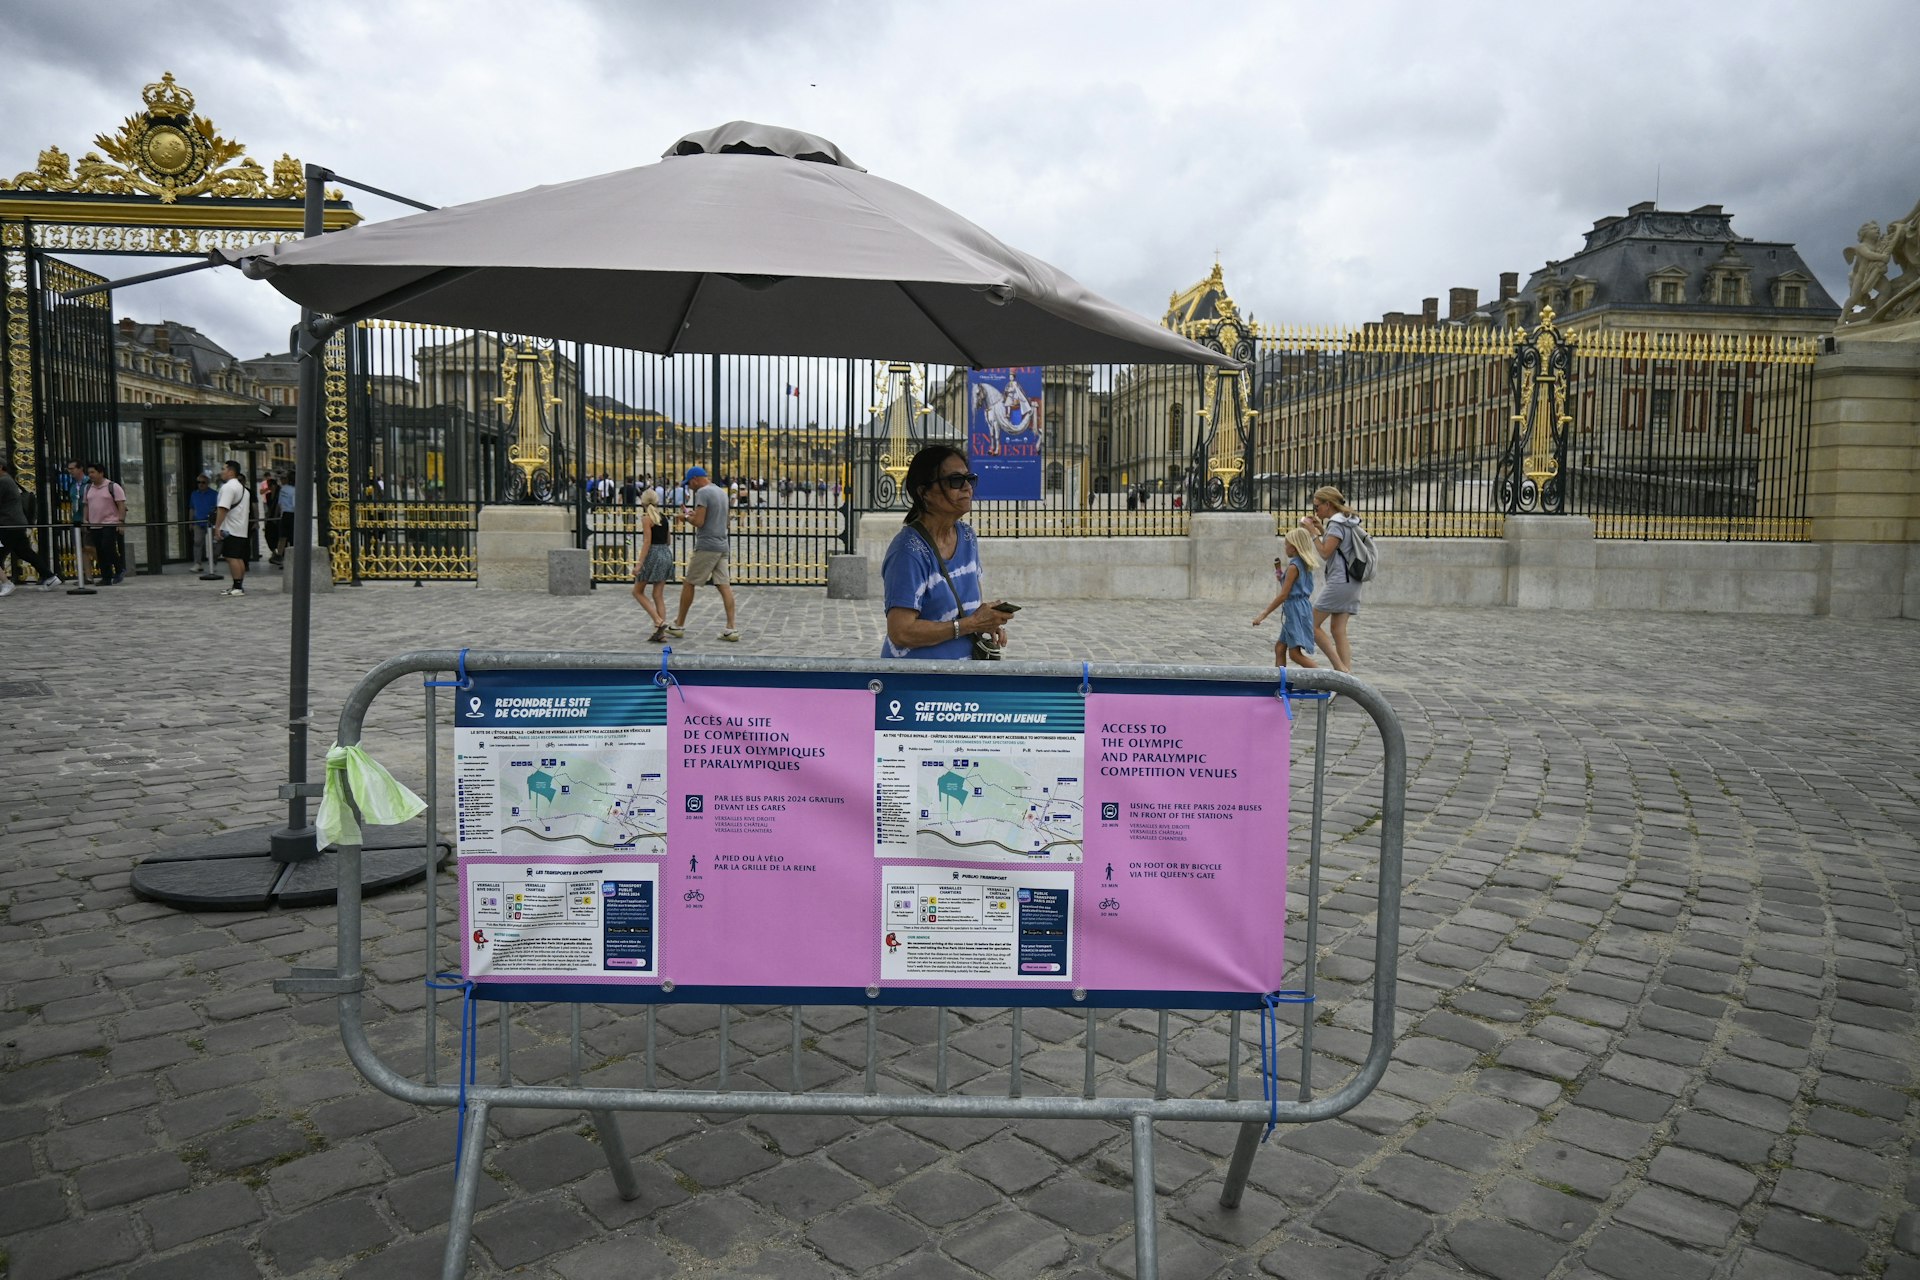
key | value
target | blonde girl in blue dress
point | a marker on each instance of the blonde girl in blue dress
(1295, 601)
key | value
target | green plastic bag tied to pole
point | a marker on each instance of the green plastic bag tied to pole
(382, 800)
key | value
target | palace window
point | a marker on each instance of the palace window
(1670, 291)
(1726, 412)
(1176, 430)
(1793, 296)
(1660, 412)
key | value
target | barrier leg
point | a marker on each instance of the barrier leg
(615, 1145)
(1146, 1245)
(1242, 1163)
(466, 1193)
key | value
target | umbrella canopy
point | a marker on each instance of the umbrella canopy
(747, 239)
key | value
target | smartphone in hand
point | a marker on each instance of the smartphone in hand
(1007, 607)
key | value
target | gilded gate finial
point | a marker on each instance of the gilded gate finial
(165, 151)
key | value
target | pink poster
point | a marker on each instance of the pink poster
(767, 881)
(1184, 886)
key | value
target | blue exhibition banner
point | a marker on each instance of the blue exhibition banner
(1003, 432)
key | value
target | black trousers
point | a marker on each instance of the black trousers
(109, 556)
(14, 542)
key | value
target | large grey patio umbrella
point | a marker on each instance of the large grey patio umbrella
(744, 239)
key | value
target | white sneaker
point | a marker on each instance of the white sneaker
(6, 588)
(234, 591)
(48, 584)
(733, 636)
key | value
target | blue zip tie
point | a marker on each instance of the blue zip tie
(1286, 694)
(1270, 1060)
(469, 1047)
(1086, 678)
(663, 677)
(461, 679)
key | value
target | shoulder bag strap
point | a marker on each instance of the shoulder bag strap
(958, 606)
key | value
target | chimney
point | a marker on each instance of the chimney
(1509, 284)
(1461, 302)
(162, 338)
(127, 328)
(1429, 311)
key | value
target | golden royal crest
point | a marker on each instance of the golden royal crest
(166, 151)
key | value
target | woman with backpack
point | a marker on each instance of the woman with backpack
(1334, 526)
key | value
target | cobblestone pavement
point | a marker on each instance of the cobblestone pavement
(1655, 1017)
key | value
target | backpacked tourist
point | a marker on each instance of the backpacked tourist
(1294, 571)
(106, 509)
(932, 567)
(1332, 523)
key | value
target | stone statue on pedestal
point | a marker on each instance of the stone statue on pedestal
(1875, 294)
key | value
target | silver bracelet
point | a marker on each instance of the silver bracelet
(956, 628)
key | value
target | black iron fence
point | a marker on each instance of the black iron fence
(1433, 432)
(1443, 433)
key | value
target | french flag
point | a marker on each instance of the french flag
(792, 390)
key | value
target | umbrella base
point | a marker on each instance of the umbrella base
(236, 870)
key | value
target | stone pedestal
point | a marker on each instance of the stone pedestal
(321, 578)
(846, 577)
(510, 549)
(1553, 562)
(569, 572)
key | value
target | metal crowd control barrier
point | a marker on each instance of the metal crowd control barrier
(348, 979)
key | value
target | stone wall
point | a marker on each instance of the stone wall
(1544, 562)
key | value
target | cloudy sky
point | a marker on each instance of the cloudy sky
(1341, 160)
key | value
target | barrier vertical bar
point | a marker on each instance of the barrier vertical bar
(726, 1027)
(1233, 1056)
(1146, 1245)
(940, 1051)
(466, 1193)
(873, 1050)
(433, 884)
(795, 1078)
(1311, 960)
(1014, 1081)
(1160, 1057)
(1086, 1087)
(506, 1045)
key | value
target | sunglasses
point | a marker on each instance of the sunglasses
(960, 480)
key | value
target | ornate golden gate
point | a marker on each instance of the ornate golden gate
(166, 183)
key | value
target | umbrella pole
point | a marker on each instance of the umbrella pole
(297, 842)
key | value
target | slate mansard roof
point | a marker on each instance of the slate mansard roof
(1622, 254)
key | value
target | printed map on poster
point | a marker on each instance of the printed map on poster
(601, 797)
(1000, 799)
(561, 769)
(989, 777)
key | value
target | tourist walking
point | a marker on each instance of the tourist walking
(932, 567)
(106, 512)
(269, 520)
(1295, 572)
(13, 536)
(654, 568)
(706, 512)
(1332, 523)
(230, 518)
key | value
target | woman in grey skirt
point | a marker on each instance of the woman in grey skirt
(1331, 524)
(655, 566)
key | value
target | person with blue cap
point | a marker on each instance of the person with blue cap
(706, 511)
